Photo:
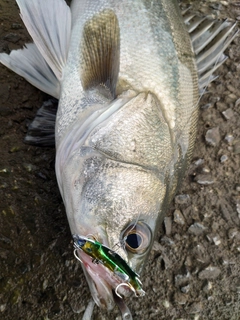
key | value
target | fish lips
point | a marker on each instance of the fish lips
(102, 282)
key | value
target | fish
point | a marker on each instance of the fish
(127, 76)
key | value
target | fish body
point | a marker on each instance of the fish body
(126, 121)
(126, 78)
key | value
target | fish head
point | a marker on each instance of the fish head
(113, 183)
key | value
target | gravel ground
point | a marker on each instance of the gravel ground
(194, 267)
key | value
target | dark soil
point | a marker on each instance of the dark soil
(194, 268)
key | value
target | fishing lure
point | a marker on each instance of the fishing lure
(111, 260)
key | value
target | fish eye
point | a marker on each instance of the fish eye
(137, 237)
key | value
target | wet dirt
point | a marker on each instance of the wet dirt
(194, 268)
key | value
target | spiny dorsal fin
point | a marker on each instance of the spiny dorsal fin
(100, 51)
(209, 38)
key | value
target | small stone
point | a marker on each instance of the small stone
(238, 187)
(185, 289)
(208, 287)
(12, 37)
(45, 284)
(237, 103)
(205, 170)
(229, 138)
(228, 114)
(213, 137)
(204, 179)
(215, 239)
(209, 273)
(182, 279)
(167, 240)
(4, 172)
(233, 233)
(196, 308)
(223, 158)
(3, 307)
(157, 247)
(207, 106)
(16, 26)
(199, 162)
(182, 199)
(196, 229)
(166, 304)
(236, 147)
(178, 217)
(29, 167)
(168, 225)
(238, 207)
(180, 298)
(14, 149)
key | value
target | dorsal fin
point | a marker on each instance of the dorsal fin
(100, 51)
(209, 38)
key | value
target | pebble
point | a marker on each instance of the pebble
(196, 307)
(209, 273)
(208, 287)
(12, 37)
(237, 103)
(182, 279)
(204, 179)
(238, 208)
(185, 289)
(166, 304)
(178, 217)
(228, 114)
(3, 307)
(168, 225)
(157, 247)
(223, 158)
(238, 187)
(213, 137)
(182, 199)
(236, 147)
(4, 172)
(215, 239)
(180, 298)
(207, 106)
(199, 162)
(233, 233)
(229, 138)
(16, 26)
(45, 284)
(167, 240)
(196, 228)
(14, 149)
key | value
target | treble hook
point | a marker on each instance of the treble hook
(76, 256)
(122, 285)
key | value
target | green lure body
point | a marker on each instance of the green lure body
(111, 260)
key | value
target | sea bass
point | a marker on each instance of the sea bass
(127, 81)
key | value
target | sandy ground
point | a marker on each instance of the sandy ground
(194, 267)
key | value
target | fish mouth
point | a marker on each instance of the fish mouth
(106, 287)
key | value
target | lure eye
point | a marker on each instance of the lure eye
(137, 237)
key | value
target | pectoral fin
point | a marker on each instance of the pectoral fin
(100, 51)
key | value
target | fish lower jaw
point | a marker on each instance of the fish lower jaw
(102, 283)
